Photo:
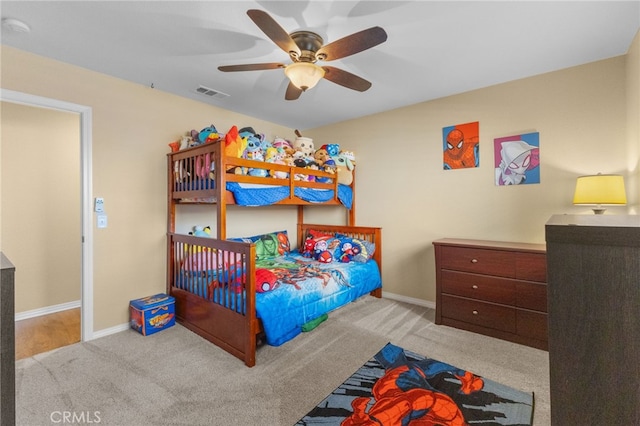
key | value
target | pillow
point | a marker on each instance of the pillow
(268, 246)
(353, 249)
(310, 244)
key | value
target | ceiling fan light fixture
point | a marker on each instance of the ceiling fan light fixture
(304, 75)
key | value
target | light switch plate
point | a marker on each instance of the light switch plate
(102, 221)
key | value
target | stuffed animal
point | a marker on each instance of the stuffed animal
(264, 144)
(308, 246)
(253, 149)
(350, 155)
(208, 134)
(344, 168)
(253, 171)
(332, 148)
(275, 156)
(321, 252)
(186, 141)
(245, 132)
(321, 156)
(300, 162)
(313, 178)
(325, 163)
(234, 144)
(346, 250)
(305, 146)
(271, 155)
(201, 231)
(281, 143)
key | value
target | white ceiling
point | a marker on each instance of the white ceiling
(434, 49)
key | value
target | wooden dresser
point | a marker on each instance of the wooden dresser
(494, 288)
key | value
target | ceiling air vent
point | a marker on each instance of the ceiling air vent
(211, 93)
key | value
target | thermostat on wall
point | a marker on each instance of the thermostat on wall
(99, 205)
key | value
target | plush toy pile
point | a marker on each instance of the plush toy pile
(247, 143)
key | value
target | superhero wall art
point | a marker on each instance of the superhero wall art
(461, 146)
(517, 159)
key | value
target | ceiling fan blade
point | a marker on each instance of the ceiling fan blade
(346, 79)
(251, 67)
(273, 30)
(293, 92)
(352, 44)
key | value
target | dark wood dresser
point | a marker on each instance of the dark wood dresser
(594, 319)
(7, 343)
(494, 288)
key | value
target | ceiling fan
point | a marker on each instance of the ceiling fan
(305, 48)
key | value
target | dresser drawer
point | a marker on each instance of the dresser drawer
(480, 313)
(482, 287)
(532, 324)
(496, 288)
(479, 261)
(530, 295)
(531, 267)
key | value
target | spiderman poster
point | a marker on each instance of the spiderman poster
(401, 388)
(461, 146)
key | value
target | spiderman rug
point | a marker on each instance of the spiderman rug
(399, 387)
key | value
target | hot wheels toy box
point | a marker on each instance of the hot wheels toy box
(153, 313)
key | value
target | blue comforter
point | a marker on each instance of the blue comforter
(264, 195)
(304, 291)
(307, 289)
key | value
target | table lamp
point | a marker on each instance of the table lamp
(599, 190)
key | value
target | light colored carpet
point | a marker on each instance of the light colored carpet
(175, 377)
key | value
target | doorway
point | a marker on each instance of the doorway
(83, 224)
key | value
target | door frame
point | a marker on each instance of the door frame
(86, 123)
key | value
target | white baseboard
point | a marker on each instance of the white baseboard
(412, 300)
(47, 310)
(111, 330)
(122, 327)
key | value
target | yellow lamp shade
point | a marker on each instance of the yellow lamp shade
(600, 189)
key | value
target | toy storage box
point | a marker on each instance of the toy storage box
(153, 313)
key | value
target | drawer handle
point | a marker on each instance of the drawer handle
(474, 260)
(475, 312)
(475, 287)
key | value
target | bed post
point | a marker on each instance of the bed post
(351, 213)
(253, 327)
(171, 214)
(221, 190)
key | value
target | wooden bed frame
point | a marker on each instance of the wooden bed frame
(234, 326)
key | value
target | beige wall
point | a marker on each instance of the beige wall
(41, 231)
(581, 114)
(132, 125)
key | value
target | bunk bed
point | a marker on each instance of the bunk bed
(213, 280)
